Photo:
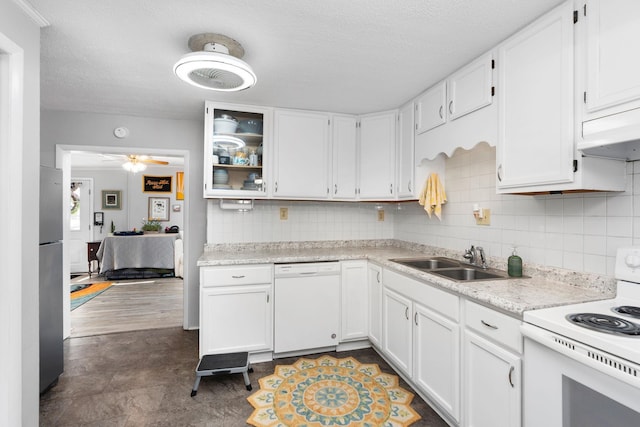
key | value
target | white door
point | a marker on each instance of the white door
(301, 155)
(345, 151)
(535, 141)
(397, 329)
(236, 318)
(613, 66)
(80, 223)
(430, 108)
(374, 280)
(491, 384)
(377, 156)
(436, 368)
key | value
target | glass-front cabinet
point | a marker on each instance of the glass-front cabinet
(237, 143)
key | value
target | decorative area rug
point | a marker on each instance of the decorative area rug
(83, 293)
(331, 392)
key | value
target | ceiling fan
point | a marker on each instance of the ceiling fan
(137, 163)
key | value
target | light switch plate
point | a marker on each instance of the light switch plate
(486, 218)
(381, 215)
(284, 214)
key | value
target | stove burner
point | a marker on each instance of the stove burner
(605, 323)
(628, 310)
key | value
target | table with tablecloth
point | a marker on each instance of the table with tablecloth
(148, 251)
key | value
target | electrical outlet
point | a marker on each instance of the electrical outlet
(486, 218)
(381, 215)
(284, 214)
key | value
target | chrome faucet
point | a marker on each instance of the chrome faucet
(476, 256)
(471, 254)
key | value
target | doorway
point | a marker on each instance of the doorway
(80, 224)
(64, 162)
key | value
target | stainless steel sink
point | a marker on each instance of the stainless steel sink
(428, 263)
(451, 269)
(467, 274)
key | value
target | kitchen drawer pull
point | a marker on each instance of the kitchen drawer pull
(308, 273)
(238, 277)
(488, 325)
(406, 312)
(510, 376)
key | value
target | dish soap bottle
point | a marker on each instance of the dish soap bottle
(514, 265)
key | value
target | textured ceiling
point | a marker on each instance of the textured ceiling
(354, 56)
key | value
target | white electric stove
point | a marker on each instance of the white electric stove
(582, 361)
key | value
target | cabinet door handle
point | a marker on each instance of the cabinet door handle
(488, 325)
(378, 277)
(328, 191)
(451, 107)
(335, 188)
(499, 173)
(391, 188)
(275, 187)
(406, 312)
(238, 277)
(409, 186)
(440, 112)
(267, 297)
(415, 318)
(510, 376)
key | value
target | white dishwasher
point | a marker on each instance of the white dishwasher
(307, 306)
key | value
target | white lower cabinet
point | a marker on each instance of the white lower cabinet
(492, 368)
(236, 309)
(421, 338)
(397, 329)
(354, 302)
(436, 369)
(374, 285)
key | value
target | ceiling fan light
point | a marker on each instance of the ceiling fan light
(215, 71)
(134, 167)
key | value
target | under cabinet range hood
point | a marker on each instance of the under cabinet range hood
(616, 136)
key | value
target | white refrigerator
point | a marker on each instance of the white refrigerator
(51, 280)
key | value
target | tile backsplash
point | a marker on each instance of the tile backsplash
(579, 231)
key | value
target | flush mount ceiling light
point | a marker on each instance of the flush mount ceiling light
(215, 64)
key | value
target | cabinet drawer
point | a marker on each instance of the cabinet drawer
(236, 275)
(499, 327)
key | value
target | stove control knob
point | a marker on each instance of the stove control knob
(632, 261)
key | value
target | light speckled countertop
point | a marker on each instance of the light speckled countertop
(545, 288)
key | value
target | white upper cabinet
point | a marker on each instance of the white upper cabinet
(377, 156)
(608, 76)
(301, 155)
(458, 112)
(237, 145)
(345, 157)
(405, 158)
(612, 62)
(470, 88)
(536, 151)
(535, 70)
(430, 108)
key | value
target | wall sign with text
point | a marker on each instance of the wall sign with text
(156, 184)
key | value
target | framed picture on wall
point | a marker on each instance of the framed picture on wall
(157, 184)
(179, 185)
(111, 199)
(159, 208)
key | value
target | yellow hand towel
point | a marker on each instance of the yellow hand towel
(433, 196)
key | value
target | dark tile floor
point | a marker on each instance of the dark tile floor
(144, 378)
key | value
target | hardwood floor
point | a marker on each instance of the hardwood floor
(130, 305)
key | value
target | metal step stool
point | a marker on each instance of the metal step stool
(218, 364)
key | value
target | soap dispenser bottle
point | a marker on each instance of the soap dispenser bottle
(514, 265)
